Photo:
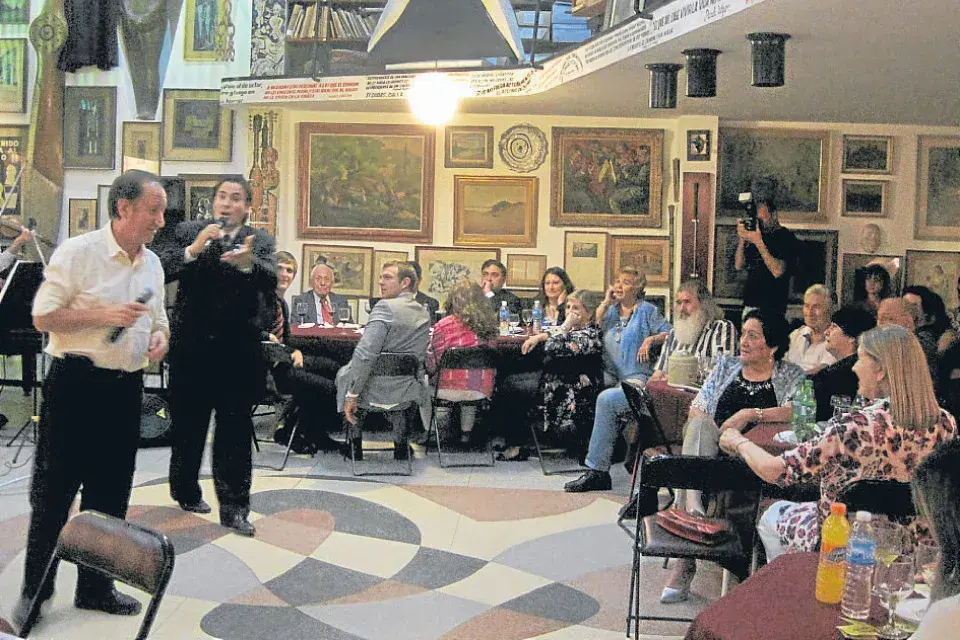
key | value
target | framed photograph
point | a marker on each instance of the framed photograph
(525, 270)
(498, 211)
(865, 198)
(363, 181)
(443, 267)
(13, 74)
(351, 267)
(14, 11)
(13, 156)
(199, 195)
(379, 259)
(728, 283)
(201, 21)
(797, 159)
(867, 154)
(851, 265)
(195, 127)
(651, 255)
(698, 145)
(818, 253)
(90, 127)
(606, 177)
(140, 146)
(938, 188)
(468, 148)
(82, 216)
(938, 270)
(585, 254)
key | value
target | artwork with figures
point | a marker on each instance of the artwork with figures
(141, 147)
(443, 267)
(649, 255)
(13, 154)
(938, 188)
(89, 127)
(366, 181)
(199, 194)
(82, 215)
(495, 211)
(209, 30)
(195, 127)
(263, 173)
(351, 267)
(853, 262)
(938, 270)
(698, 145)
(267, 38)
(14, 11)
(13, 75)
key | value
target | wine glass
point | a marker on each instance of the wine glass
(892, 539)
(343, 314)
(926, 558)
(841, 405)
(514, 320)
(527, 316)
(301, 310)
(894, 582)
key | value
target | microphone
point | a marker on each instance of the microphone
(221, 222)
(118, 331)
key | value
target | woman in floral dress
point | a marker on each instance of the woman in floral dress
(885, 440)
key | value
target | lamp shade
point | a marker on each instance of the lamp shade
(701, 72)
(663, 84)
(767, 54)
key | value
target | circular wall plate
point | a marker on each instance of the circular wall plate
(523, 148)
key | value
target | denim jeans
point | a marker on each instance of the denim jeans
(611, 407)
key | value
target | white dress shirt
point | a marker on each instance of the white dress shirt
(803, 352)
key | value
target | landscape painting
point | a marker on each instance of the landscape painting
(495, 211)
(938, 188)
(468, 148)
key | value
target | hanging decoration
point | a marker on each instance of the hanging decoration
(523, 148)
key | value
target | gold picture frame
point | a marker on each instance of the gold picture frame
(525, 270)
(140, 146)
(203, 29)
(649, 254)
(938, 186)
(379, 259)
(199, 195)
(196, 128)
(13, 84)
(81, 216)
(468, 148)
(443, 267)
(351, 267)
(937, 270)
(585, 254)
(495, 211)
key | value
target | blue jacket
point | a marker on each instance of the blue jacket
(620, 345)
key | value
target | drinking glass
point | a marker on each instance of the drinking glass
(841, 405)
(301, 310)
(894, 582)
(343, 314)
(527, 316)
(892, 540)
(926, 558)
(514, 320)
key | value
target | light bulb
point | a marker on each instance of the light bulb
(434, 98)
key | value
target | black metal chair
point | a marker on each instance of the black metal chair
(475, 360)
(122, 550)
(892, 498)
(272, 402)
(650, 540)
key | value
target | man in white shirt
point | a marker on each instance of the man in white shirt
(104, 329)
(322, 304)
(808, 346)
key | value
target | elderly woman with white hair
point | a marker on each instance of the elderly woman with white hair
(808, 344)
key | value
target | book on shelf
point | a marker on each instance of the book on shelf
(309, 29)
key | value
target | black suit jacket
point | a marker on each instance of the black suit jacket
(514, 304)
(837, 379)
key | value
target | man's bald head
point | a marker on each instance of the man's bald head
(895, 311)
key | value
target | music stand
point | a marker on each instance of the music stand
(16, 300)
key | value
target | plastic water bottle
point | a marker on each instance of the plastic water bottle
(504, 319)
(537, 321)
(861, 550)
(834, 537)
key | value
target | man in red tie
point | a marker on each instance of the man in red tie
(321, 304)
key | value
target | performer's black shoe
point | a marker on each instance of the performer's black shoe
(112, 602)
(200, 506)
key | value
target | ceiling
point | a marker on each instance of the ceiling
(871, 61)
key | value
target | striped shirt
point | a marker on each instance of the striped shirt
(720, 336)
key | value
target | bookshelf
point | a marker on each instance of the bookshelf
(316, 27)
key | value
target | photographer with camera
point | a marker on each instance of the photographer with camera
(766, 250)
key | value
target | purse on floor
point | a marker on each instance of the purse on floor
(699, 529)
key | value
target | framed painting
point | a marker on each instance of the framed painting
(89, 127)
(865, 198)
(103, 203)
(606, 177)
(938, 270)
(380, 258)
(585, 254)
(817, 262)
(351, 267)
(797, 159)
(140, 144)
(851, 265)
(195, 127)
(651, 255)
(698, 145)
(660, 302)
(525, 270)
(867, 154)
(468, 148)
(361, 181)
(14, 11)
(496, 211)
(443, 267)
(938, 188)
(81, 216)
(728, 283)
(13, 157)
(13, 74)
(201, 22)
(199, 195)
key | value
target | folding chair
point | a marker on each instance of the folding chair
(650, 540)
(892, 498)
(283, 407)
(477, 363)
(119, 549)
(399, 418)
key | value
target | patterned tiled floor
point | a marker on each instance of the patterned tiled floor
(449, 553)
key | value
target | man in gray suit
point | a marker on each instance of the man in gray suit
(321, 303)
(397, 324)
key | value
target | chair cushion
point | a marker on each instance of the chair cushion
(657, 541)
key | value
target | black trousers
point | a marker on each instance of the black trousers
(315, 394)
(88, 434)
(198, 388)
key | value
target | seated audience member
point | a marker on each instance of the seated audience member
(432, 304)
(309, 379)
(895, 311)
(933, 323)
(902, 425)
(808, 349)
(871, 285)
(322, 304)
(955, 314)
(468, 321)
(555, 286)
(936, 492)
(948, 370)
(9, 255)
(696, 329)
(493, 277)
(571, 382)
(741, 393)
(838, 379)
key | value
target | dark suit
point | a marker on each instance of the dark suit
(216, 362)
(432, 305)
(337, 301)
(514, 304)
(837, 379)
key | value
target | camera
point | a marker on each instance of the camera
(749, 219)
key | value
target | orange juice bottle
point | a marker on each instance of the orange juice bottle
(833, 548)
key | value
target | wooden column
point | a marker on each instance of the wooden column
(696, 226)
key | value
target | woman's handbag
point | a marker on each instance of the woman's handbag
(699, 529)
